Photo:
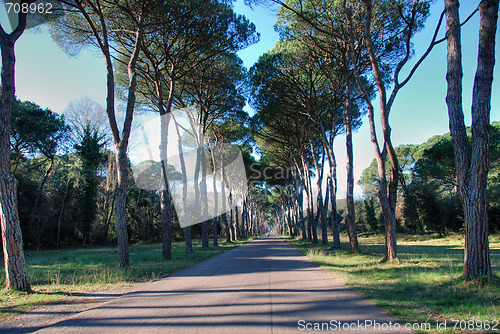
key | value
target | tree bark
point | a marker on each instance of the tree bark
(244, 233)
(16, 276)
(215, 233)
(351, 215)
(384, 198)
(187, 212)
(472, 163)
(232, 230)
(165, 197)
(237, 223)
(120, 208)
(189, 239)
(300, 202)
(166, 222)
(108, 195)
(309, 200)
(204, 199)
(477, 254)
(120, 141)
(331, 192)
(223, 191)
(320, 210)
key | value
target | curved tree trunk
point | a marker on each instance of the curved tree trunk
(387, 201)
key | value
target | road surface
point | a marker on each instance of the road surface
(264, 286)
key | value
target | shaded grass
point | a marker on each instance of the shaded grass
(58, 275)
(423, 286)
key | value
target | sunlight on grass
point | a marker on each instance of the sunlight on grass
(424, 285)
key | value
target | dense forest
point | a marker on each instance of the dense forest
(66, 199)
(66, 176)
(334, 61)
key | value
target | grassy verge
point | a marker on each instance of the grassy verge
(58, 275)
(423, 286)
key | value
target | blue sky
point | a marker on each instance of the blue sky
(47, 76)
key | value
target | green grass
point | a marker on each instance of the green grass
(423, 286)
(57, 275)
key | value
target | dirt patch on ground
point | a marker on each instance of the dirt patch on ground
(46, 315)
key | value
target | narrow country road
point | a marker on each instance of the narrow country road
(264, 286)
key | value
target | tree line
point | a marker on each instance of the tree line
(66, 176)
(159, 56)
(429, 200)
(334, 58)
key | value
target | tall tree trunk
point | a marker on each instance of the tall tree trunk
(237, 223)
(108, 195)
(472, 164)
(224, 209)
(244, 233)
(204, 199)
(314, 229)
(334, 221)
(187, 211)
(231, 219)
(121, 157)
(16, 276)
(285, 213)
(121, 179)
(120, 208)
(309, 208)
(189, 239)
(120, 141)
(327, 197)
(299, 199)
(351, 215)
(201, 162)
(385, 199)
(166, 221)
(165, 197)
(332, 162)
(321, 213)
(332, 180)
(215, 233)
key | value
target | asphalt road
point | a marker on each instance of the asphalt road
(264, 286)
